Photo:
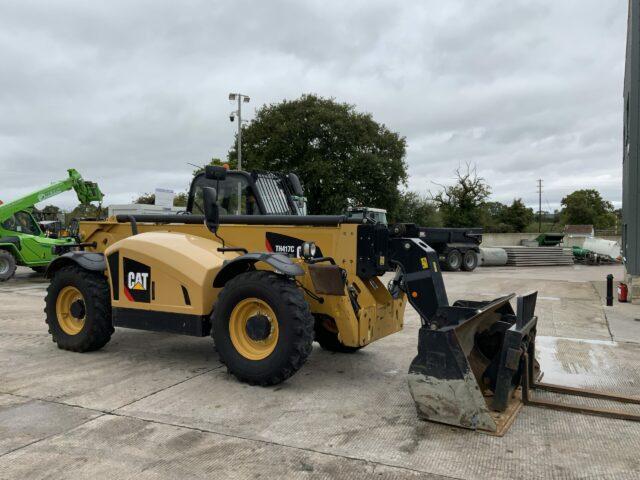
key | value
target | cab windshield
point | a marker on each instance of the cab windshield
(22, 222)
(235, 196)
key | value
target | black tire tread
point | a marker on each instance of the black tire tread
(100, 331)
(447, 265)
(302, 318)
(9, 255)
(464, 267)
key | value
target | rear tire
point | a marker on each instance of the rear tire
(7, 265)
(469, 261)
(453, 261)
(89, 326)
(283, 336)
(327, 336)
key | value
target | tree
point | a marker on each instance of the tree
(343, 157)
(179, 200)
(146, 199)
(232, 164)
(85, 211)
(415, 208)
(463, 203)
(587, 207)
(493, 214)
(49, 212)
(517, 215)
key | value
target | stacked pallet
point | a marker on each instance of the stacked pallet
(538, 256)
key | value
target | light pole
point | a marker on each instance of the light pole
(240, 97)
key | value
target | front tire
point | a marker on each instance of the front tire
(78, 309)
(262, 328)
(7, 265)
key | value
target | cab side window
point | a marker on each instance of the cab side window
(21, 222)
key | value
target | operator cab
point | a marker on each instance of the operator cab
(249, 193)
(22, 222)
(378, 215)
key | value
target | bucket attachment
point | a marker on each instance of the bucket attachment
(476, 367)
(476, 363)
(470, 362)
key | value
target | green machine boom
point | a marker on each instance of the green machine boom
(22, 242)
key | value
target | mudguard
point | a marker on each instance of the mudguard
(11, 242)
(280, 263)
(87, 260)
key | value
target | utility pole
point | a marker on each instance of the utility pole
(240, 97)
(539, 205)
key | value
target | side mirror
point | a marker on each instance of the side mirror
(295, 185)
(211, 210)
(213, 172)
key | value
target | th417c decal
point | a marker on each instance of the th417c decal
(291, 246)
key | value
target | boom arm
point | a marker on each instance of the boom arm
(86, 191)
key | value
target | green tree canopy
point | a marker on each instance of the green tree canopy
(587, 207)
(343, 157)
(50, 210)
(494, 218)
(85, 211)
(517, 215)
(463, 203)
(180, 199)
(415, 208)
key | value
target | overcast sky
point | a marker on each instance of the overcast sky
(129, 92)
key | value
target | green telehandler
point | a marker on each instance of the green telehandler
(22, 242)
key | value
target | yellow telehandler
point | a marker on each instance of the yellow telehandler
(248, 267)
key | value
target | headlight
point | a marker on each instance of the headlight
(308, 249)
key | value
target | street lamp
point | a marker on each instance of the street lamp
(241, 98)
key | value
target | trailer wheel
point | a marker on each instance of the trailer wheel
(327, 336)
(7, 265)
(453, 261)
(78, 309)
(262, 328)
(469, 261)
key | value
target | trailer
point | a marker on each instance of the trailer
(457, 248)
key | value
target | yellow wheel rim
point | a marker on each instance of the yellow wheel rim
(69, 324)
(253, 310)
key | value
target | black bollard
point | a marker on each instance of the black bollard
(609, 290)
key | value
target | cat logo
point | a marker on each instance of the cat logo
(137, 281)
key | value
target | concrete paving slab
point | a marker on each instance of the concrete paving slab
(354, 409)
(624, 321)
(24, 421)
(134, 364)
(351, 406)
(118, 447)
